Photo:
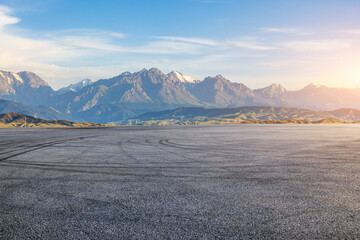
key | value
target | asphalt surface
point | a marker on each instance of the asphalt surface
(181, 182)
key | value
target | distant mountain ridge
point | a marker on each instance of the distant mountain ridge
(13, 119)
(34, 111)
(130, 94)
(243, 114)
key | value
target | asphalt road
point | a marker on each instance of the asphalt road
(174, 182)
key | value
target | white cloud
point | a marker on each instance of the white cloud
(5, 18)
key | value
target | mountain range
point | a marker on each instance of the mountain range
(131, 94)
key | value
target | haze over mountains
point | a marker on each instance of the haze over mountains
(130, 94)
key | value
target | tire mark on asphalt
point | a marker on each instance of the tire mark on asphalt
(176, 154)
(227, 169)
(137, 161)
(187, 177)
(37, 147)
(166, 142)
(101, 166)
(18, 145)
(31, 149)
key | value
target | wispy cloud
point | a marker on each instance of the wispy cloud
(249, 46)
(89, 43)
(117, 35)
(274, 64)
(169, 47)
(287, 31)
(280, 30)
(316, 45)
(189, 40)
(351, 31)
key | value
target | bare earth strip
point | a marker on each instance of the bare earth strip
(189, 182)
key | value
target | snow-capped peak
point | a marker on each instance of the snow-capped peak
(182, 77)
(84, 83)
(76, 86)
(10, 77)
(17, 77)
(315, 85)
(277, 87)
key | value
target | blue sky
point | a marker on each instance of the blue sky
(254, 42)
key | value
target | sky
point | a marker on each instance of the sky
(255, 42)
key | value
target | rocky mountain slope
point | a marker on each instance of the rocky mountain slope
(218, 91)
(24, 87)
